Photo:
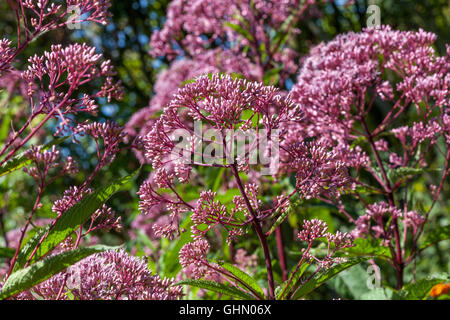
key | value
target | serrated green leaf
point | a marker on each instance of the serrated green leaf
(321, 278)
(70, 221)
(28, 247)
(21, 160)
(368, 247)
(245, 278)
(435, 236)
(42, 270)
(217, 287)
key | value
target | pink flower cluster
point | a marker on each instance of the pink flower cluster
(154, 205)
(377, 221)
(180, 71)
(193, 26)
(336, 77)
(194, 254)
(54, 13)
(220, 36)
(41, 16)
(219, 101)
(327, 139)
(55, 78)
(319, 170)
(212, 213)
(6, 52)
(338, 86)
(70, 197)
(105, 219)
(111, 275)
(315, 229)
(71, 67)
(46, 160)
(109, 133)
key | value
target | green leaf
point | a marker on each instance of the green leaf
(378, 294)
(28, 247)
(368, 247)
(420, 289)
(351, 283)
(215, 179)
(321, 278)
(218, 180)
(245, 278)
(435, 236)
(6, 252)
(21, 160)
(364, 190)
(239, 30)
(5, 126)
(70, 221)
(358, 141)
(217, 287)
(284, 215)
(228, 196)
(42, 270)
(285, 289)
(247, 114)
(444, 296)
(403, 172)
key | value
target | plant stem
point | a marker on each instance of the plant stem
(398, 259)
(281, 255)
(295, 272)
(24, 230)
(259, 232)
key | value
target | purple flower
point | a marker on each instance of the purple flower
(111, 275)
(193, 256)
